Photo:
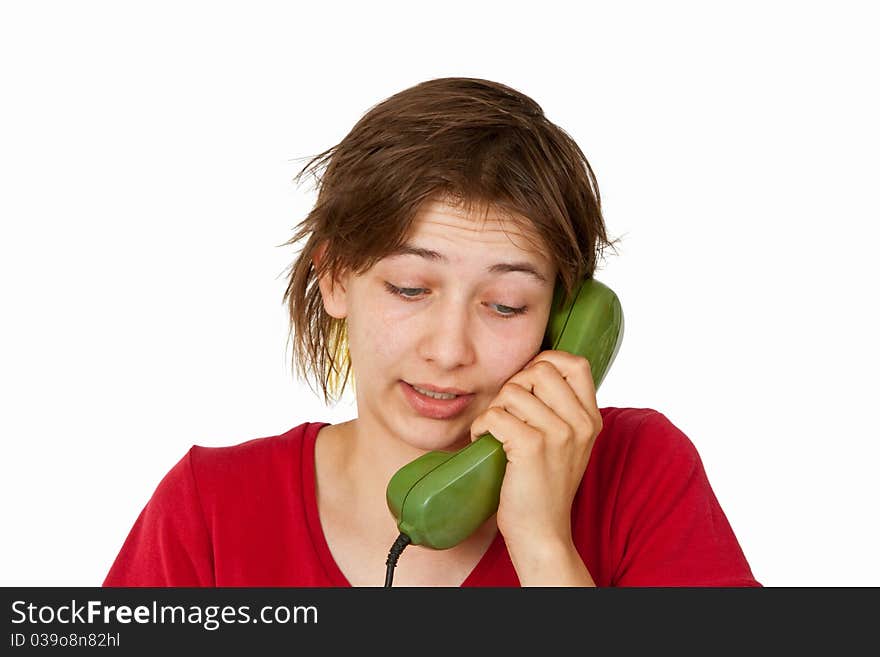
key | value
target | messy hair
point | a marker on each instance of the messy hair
(477, 144)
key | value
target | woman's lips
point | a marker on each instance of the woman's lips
(438, 409)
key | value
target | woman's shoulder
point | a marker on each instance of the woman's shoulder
(643, 435)
(254, 458)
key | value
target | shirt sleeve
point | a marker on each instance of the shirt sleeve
(169, 544)
(674, 532)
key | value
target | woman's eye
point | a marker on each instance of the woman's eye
(508, 311)
(405, 292)
(412, 294)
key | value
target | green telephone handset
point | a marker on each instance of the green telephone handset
(441, 498)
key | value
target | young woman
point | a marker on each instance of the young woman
(444, 220)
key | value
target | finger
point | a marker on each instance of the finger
(576, 371)
(518, 439)
(540, 396)
(533, 410)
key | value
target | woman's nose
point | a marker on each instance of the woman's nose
(447, 337)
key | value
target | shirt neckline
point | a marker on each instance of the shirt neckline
(319, 540)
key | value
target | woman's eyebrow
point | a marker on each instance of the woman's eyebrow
(497, 268)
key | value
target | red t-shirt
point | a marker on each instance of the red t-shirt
(247, 515)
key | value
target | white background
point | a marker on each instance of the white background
(146, 158)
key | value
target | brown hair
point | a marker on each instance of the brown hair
(474, 142)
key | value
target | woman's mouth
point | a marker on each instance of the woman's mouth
(436, 405)
(432, 394)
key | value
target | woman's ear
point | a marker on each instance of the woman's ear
(333, 290)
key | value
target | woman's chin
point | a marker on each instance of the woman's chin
(431, 443)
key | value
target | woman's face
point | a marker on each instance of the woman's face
(464, 306)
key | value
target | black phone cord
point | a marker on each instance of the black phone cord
(402, 541)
